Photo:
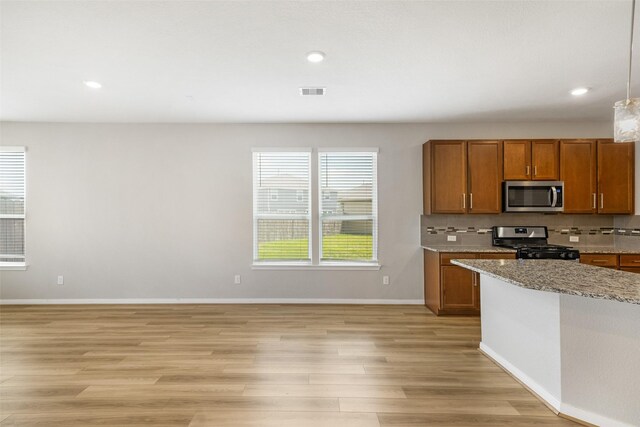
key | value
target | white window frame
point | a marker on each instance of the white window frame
(374, 208)
(17, 265)
(258, 216)
(314, 217)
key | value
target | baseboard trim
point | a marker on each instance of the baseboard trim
(563, 410)
(212, 301)
(536, 389)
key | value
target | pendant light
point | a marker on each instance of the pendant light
(626, 122)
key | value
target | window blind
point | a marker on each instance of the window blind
(348, 206)
(12, 205)
(281, 206)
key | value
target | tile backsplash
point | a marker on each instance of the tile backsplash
(592, 230)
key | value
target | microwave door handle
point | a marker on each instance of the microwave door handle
(554, 199)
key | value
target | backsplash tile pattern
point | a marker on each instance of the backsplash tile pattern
(474, 230)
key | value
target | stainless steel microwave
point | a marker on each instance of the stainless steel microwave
(533, 196)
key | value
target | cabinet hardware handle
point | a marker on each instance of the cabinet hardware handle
(535, 171)
(594, 201)
(601, 200)
(464, 201)
(528, 169)
(598, 261)
(470, 200)
(475, 279)
(636, 261)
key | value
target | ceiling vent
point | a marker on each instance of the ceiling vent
(309, 91)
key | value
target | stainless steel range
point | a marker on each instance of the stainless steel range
(531, 243)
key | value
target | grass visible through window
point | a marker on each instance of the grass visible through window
(334, 247)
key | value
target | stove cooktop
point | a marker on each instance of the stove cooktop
(531, 243)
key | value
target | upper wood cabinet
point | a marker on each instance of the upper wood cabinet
(462, 177)
(579, 172)
(484, 160)
(447, 180)
(616, 177)
(531, 160)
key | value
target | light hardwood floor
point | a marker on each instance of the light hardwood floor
(252, 365)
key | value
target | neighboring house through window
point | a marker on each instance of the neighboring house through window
(346, 191)
(12, 207)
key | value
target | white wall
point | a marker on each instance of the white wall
(164, 210)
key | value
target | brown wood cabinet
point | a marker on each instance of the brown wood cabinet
(531, 160)
(450, 289)
(462, 177)
(624, 262)
(484, 159)
(447, 179)
(579, 172)
(616, 177)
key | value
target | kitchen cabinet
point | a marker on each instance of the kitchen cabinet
(447, 162)
(624, 262)
(531, 160)
(450, 289)
(485, 179)
(462, 177)
(616, 177)
(579, 172)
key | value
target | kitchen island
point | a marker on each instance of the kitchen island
(570, 332)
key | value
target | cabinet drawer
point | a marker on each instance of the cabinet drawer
(600, 260)
(505, 255)
(445, 259)
(629, 260)
(631, 269)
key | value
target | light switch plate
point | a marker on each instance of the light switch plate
(452, 238)
(574, 239)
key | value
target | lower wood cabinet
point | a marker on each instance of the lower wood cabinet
(449, 289)
(624, 262)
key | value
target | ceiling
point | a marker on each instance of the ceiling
(243, 61)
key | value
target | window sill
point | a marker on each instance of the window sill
(13, 267)
(324, 266)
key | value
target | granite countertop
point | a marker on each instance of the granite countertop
(482, 249)
(607, 250)
(471, 249)
(563, 277)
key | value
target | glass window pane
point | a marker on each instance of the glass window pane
(347, 240)
(280, 239)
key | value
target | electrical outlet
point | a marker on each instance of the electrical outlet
(574, 239)
(236, 279)
(60, 280)
(385, 280)
(452, 238)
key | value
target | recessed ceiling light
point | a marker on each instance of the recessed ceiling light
(315, 56)
(579, 91)
(92, 84)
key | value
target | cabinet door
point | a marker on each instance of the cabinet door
(600, 260)
(544, 159)
(578, 171)
(448, 176)
(458, 290)
(615, 177)
(517, 160)
(485, 176)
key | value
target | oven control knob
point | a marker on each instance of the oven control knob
(538, 255)
(563, 255)
(530, 254)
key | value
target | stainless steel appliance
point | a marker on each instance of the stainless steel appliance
(531, 243)
(533, 196)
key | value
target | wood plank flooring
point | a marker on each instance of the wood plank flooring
(252, 365)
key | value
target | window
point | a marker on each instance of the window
(12, 206)
(343, 228)
(281, 224)
(348, 206)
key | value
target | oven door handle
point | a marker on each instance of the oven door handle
(554, 197)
